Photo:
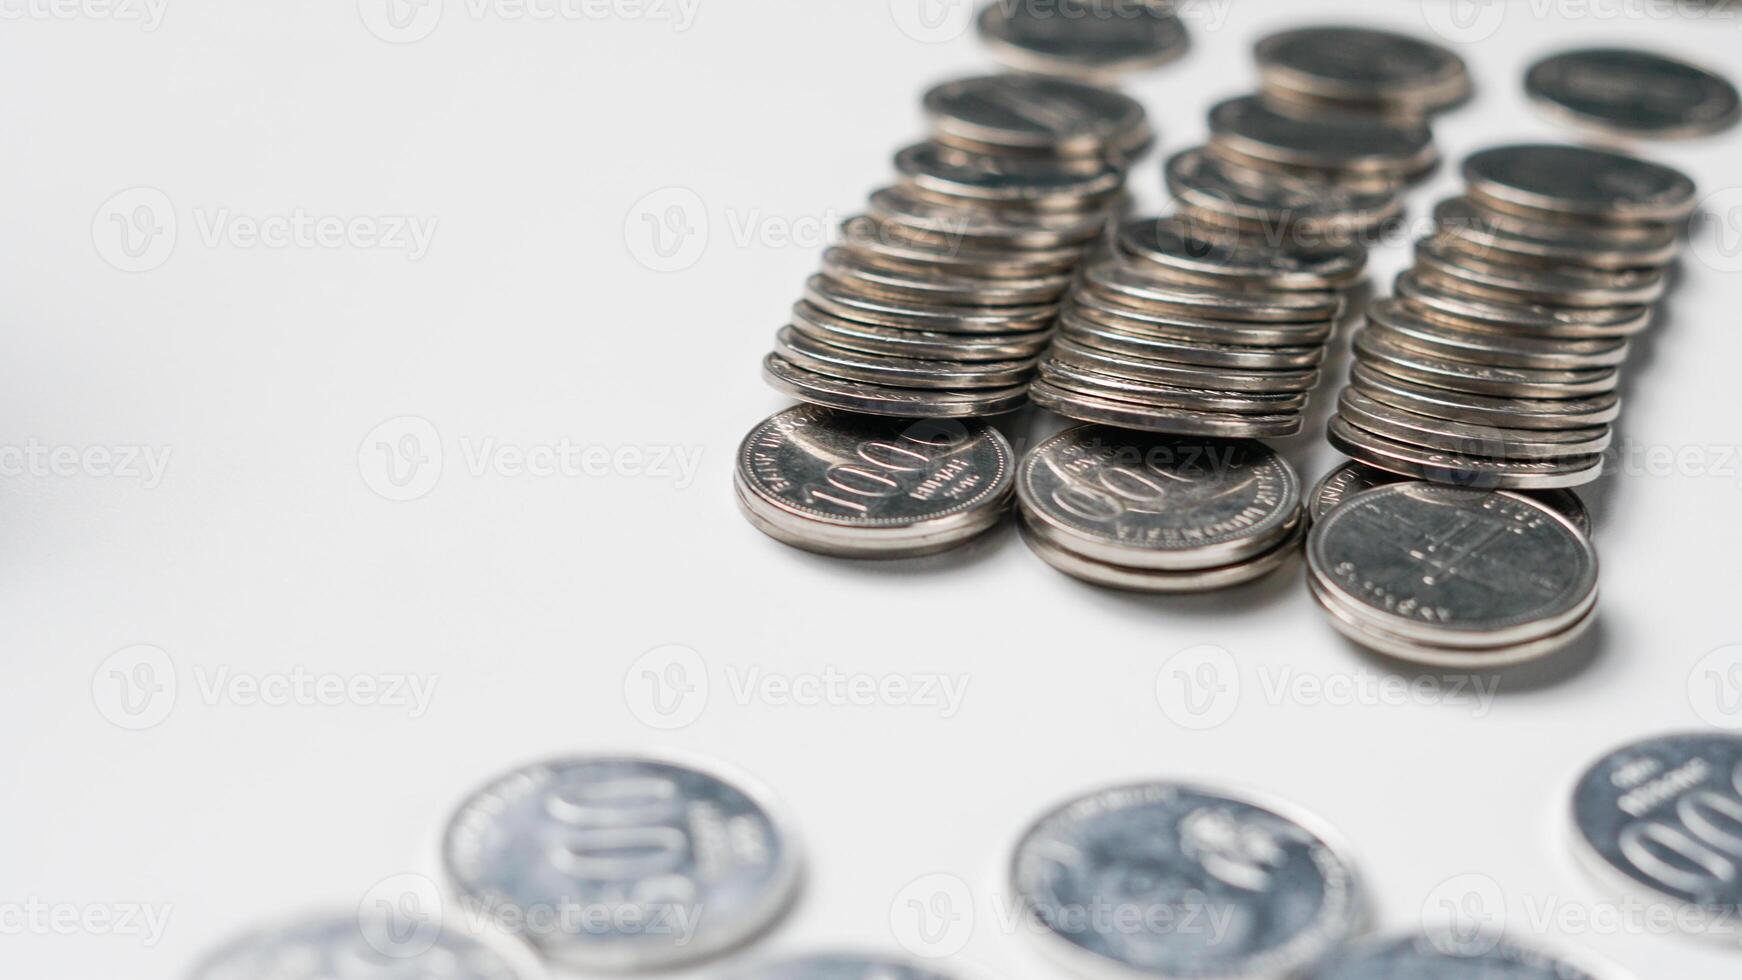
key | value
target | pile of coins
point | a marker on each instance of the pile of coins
(1171, 330)
(1153, 513)
(938, 299)
(1496, 363)
(1090, 39)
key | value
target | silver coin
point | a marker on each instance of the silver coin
(1084, 38)
(871, 338)
(1163, 582)
(1659, 817)
(909, 314)
(1352, 626)
(1579, 181)
(1111, 310)
(1087, 377)
(1437, 302)
(1467, 438)
(1035, 113)
(360, 946)
(1181, 249)
(881, 399)
(1555, 285)
(930, 284)
(1459, 469)
(1112, 877)
(872, 487)
(1351, 478)
(1303, 212)
(1013, 226)
(1380, 352)
(1156, 418)
(1155, 501)
(1341, 141)
(1371, 182)
(623, 863)
(1127, 281)
(1454, 567)
(1093, 331)
(1163, 371)
(1633, 93)
(1362, 67)
(840, 966)
(908, 248)
(900, 371)
(1474, 342)
(1444, 957)
(1036, 182)
(1496, 236)
(1506, 413)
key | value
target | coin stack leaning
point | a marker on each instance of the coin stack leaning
(1181, 329)
(1154, 513)
(937, 300)
(1496, 363)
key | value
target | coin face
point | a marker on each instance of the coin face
(1632, 93)
(616, 863)
(1662, 814)
(357, 947)
(840, 966)
(1453, 566)
(1157, 501)
(1169, 880)
(1578, 181)
(1361, 66)
(1033, 112)
(871, 484)
(1439, 958)
(1351, 478)
(1082, 37)
(1329, 140)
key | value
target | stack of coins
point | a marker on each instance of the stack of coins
(937, 301)
(1496, 364)
(1169, 329)
(1453, 577)
(1150, 513)
(1095, 39)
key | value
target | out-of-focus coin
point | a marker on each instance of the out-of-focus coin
(360, 945)
(1038, 182)
(1110, 310)
(1017, 227)
(1468, 438)
(1448, 957)
(1474, 342)
(1330, 140)
(1292, 211)
(1085, 38)
(1359, 66)
(1351, 478)
(1096, 870)
(1383, 354)
(930, 284)
(881, 399)
(620, 863)
(1632, 93)
(1512, 413)
(1434, 300)
(1579, 181)
(1125, 338)
(1658, 818)
(1499, 237)
(1152, 580)
(1181, 249)
(900, 371)
(1126, 281)
(1555, 285)
(1156, 418)
(841, 966)
(870, 338)
(911, 314)
(1158, 502)
(896, 246)
(1034, 113)
(1454, 567)
(1141, 367)
(1085, 372)
(1415, 651)
(1459, 469)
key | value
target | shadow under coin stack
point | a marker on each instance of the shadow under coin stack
(1497, 362)
(937, 301)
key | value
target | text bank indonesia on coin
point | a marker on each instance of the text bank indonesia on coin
(360, 945)
(1662, 818)
(623, 863)
(871, 487)
(1167, 880)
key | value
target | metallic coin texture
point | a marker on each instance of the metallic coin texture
(1093, 38)
(1169, 880)
(1452, 566)
(1579, 182)
(1444, 958)
(1214, 191)
(840, 966)
(1193, 253)
(1158, 502)
(358, 946)
(1332, 140)
(1351, 478)
(978, 176)
(1662, 818)
(1494, 235)
(1157, 581)
(614, 863)
(1459, 469)
(1633, 93)
(1362, 67)
(1031, 112)
(873, 398)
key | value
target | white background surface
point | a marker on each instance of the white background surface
(263, 549)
